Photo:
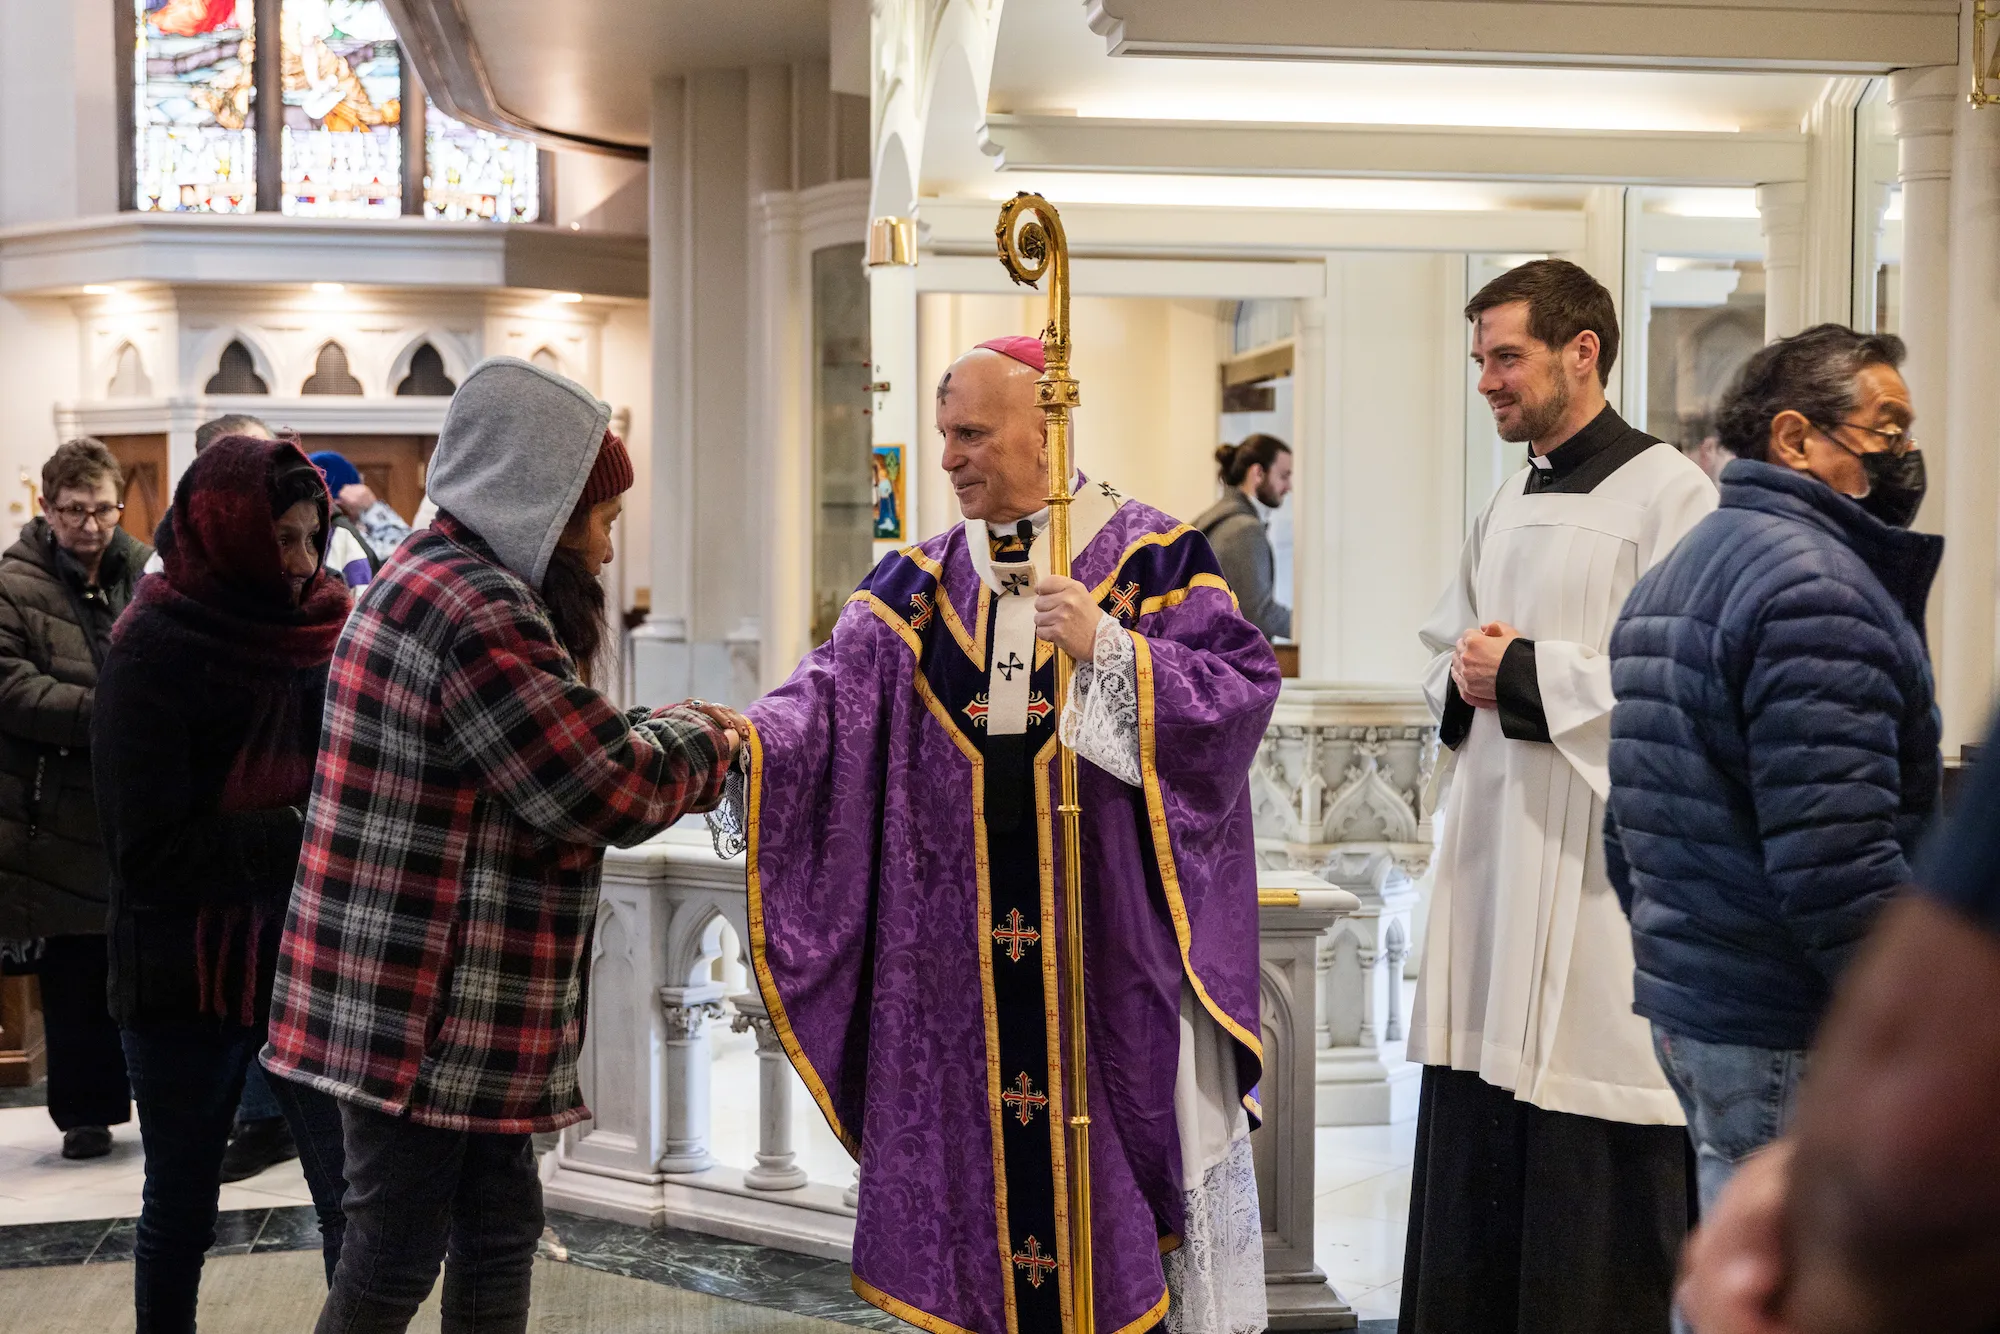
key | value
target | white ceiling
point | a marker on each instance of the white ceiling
(1048, 59)
(586, 67)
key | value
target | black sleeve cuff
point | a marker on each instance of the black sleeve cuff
(1519, 692)
(1457, 721)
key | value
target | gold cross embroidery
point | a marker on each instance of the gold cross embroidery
(1023, 1099)
(1014, 934)
(1125, 602)
(1038, 1265)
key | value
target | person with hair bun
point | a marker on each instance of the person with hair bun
(1259, 469)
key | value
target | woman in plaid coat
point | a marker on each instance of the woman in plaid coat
(433, 970)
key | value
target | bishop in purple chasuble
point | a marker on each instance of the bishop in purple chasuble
(905, 917)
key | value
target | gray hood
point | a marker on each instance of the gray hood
(517, 446)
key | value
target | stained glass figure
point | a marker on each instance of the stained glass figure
(343, 85)
(471, 173)
(194, 149)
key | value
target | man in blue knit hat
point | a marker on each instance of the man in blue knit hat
(381, 529)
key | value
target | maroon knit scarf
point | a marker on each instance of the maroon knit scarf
(225, 591)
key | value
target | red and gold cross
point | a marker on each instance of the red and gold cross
(920, 610)
(1023, 1099)
(1039, 708)
(1014, 934)
(1125, 601)
(1038, 1265)
(975, 712)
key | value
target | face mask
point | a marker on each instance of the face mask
(1896, 482)
(1895, 486)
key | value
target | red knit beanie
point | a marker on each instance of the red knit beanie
(610, 476)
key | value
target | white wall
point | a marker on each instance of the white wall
(1380, 462)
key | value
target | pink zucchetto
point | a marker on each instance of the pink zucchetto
(1022, 348)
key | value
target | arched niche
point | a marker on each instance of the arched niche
(236, 372)
(546, 358)
(426, 377)
(330, 373)
(128, 375)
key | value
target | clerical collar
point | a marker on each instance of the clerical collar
(1604, 429)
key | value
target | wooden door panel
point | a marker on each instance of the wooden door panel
(392, 465)
(143, 458)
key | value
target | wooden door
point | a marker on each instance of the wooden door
(23, 1051)
(143, 458)
(392, 465)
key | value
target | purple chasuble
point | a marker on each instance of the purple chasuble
(897, 987)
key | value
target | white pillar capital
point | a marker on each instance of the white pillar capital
(1924, 105)
(1781, 211)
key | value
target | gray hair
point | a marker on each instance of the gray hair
(234, 423)
(1811, 373)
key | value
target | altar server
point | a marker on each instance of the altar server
(1550, 1189)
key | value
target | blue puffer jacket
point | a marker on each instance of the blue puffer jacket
(1774, 754)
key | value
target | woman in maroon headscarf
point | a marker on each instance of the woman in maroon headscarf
(204, 737)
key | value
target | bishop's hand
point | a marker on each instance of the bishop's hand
(1066, 616)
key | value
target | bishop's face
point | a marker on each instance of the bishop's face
(995, 438)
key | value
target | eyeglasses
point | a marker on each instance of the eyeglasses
(74, 515)
(1895, 440)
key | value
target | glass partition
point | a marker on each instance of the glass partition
(855, 490)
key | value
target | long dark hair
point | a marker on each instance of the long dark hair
(575, 600)
(1233, 462)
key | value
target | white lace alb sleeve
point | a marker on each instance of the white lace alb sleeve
(1216, 1274)
(1101, 720)
(729, 822)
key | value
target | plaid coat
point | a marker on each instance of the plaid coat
(434, 960)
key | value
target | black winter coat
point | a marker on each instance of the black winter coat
(1774, 754)
(53, 634)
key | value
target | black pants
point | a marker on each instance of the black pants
(187, 1077)
(87, 1085)
(418, 1197)
(1525, 1221)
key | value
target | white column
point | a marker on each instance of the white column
(1971, 501)
(1316, 618)
(1781, 206)
(1924, 104)
(777, 1166)
(1827, 280)
(1603, 255)
(690, 1057)
(662, 666)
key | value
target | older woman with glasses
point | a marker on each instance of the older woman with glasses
(62, 585)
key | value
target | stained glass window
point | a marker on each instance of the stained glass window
(343, 82)
(474, 173)
(194, 149)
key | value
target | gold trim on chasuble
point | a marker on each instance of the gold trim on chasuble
(767, 985)
(988, 1008)
(1045, 862)
(1163, 851)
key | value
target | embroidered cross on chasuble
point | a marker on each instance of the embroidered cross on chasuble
(906, 923)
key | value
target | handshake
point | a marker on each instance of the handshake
(735, 727)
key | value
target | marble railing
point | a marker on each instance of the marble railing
(662, 989)
(657, 1001)
(1340, 788)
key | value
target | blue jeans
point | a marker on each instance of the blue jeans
(1737, 1100)
(187, 1076)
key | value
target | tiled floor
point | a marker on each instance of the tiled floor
(1361, 1188)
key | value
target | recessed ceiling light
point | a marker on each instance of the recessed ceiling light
(329, 288)
(99, 289)
(566, 297)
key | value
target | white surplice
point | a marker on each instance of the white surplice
(1527, 969)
